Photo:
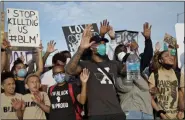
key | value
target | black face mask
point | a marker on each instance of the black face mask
(167, 66)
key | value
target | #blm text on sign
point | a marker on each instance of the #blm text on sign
(73, 35)
(23, 27)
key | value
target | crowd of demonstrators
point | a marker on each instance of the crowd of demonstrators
(92, 85)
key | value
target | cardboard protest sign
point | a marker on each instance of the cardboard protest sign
(126, 36)
(169, 40)
(73, 35)
(23, 27)
(179, 28)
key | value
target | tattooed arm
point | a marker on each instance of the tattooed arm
(72, 67)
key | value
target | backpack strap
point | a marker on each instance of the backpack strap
(178, 75)
(77, 108)
(51, 89)
(156, 77)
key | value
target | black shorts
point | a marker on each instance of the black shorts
(120, 116)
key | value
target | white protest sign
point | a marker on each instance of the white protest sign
(17, 54)
(179, 28)
(23, 27)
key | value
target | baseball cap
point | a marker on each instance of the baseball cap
(98, 39)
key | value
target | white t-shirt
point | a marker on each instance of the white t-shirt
(47, 79)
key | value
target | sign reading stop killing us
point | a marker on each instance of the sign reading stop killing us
(73, 35)
(23, 27)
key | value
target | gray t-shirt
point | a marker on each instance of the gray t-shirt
(102, 97)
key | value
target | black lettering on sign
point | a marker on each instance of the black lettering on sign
(22, 39)
(22, 29)
(24, 21)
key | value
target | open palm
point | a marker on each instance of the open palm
(17, 104)
(84, 76)
(104, 27)
(86, 36)
(51, 47)
(147, 30)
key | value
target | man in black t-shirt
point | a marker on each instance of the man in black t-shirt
(63, 94)
(103, 103)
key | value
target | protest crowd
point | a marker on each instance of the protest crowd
(90, 85)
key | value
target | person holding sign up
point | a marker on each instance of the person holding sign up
(20, 72)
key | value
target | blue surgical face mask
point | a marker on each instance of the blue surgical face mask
(101, 49)
(59, 78)
(22, 73)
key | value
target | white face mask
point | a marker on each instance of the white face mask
(121, 55)
(67, 61)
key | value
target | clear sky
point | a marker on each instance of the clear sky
(122, 15)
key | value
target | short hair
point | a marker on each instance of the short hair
(18, 61)
(31, 75)
(6, 75)
(62, 56)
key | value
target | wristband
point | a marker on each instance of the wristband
(3, 50)
(160, 111)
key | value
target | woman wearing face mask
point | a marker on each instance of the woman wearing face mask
(135, 98)
(63, 93)
(169, 86)
(20, 72)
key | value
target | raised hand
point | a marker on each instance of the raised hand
(86, 36)
(157, 46)
(104, 27)
(84, 76)
(51, 47)
(17, 104)
(147, 30)
(37, 98)
(111, 33)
